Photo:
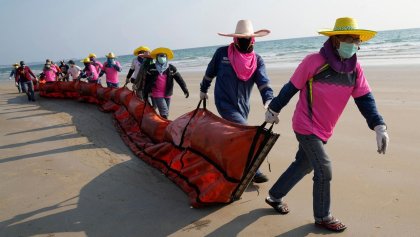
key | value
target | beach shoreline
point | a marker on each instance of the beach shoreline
(65, 170)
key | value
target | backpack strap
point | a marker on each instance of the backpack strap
(309, 87)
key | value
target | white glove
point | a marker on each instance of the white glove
(204, 96)
(267, 103)
(382, 138)
(271, 116)
(10, 78)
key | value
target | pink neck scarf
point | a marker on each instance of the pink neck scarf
(244, 64)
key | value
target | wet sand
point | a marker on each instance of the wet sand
(65, 171)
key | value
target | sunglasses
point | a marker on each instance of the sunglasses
(349, 39)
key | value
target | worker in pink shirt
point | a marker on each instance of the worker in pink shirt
(111, 68)
(325, 80)
(89, 71)
(160, 79)
(49, 73)
(98, 65)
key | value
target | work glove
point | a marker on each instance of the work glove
(382, 138)
(271, 116)
(267, 103)
(187, 94)
(204, 96)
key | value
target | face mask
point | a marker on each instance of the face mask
(161, 60)
(347, 50)
(110, 61)
(244, 45)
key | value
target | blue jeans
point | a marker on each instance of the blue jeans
(162, 104)
(114, 85)
(22, 86)
(310, 156)
(29, 89)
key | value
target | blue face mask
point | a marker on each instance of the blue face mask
(347, 50)
(162, 60)
(110, 61)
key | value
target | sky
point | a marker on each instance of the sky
(33, 30)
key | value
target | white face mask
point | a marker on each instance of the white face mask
(162, 59)
(347, 50)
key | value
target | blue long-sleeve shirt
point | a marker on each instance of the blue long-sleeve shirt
(12, 73)
(232, 94)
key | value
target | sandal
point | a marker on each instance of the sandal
(333, 224)
(280, 207)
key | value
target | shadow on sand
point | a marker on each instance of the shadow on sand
(129, 199)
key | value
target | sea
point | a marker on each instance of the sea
(393, 47)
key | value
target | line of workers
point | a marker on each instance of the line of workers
(150, 72)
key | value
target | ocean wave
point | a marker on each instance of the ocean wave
(399, 44)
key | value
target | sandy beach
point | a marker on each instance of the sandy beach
(64, 171)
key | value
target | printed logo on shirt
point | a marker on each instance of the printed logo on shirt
(225, 60)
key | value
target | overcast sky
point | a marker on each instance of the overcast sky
(33, 30)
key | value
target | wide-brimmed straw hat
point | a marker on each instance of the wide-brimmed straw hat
(161, 50)
(110, 55)
(348, 26)
(244, 29)
(92, 55)
(141, 48)
(85, 60)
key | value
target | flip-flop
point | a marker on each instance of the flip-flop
(333, 224)
(280, 207)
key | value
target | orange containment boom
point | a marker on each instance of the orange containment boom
(211, 159)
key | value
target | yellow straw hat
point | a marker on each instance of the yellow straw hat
(161, 50)
(141, 48)
(110, 55)
(85, 60)
(16, 65)
(348, 26)
(92, 55)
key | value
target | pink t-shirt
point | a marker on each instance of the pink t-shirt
(50, 75)
(98, 66)
(329, 99)
(158, 90)
(111, 72)
(92, 73)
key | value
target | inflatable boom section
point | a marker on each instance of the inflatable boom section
(211, 159)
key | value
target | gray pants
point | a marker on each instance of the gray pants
(162, 104)
(310, 156)
(28, 87)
